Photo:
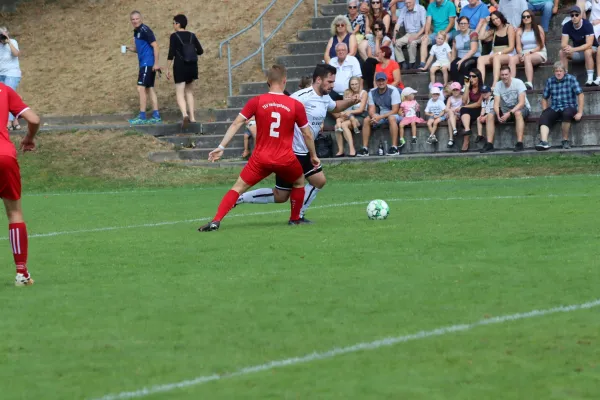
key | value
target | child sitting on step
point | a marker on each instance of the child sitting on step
(453, 106)
(435, 112)
(409, 109)
(487, 106)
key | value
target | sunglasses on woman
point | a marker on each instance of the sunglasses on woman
(526, 17)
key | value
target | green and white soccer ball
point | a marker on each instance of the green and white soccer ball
(378, 209)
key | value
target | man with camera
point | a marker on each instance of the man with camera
(10, 71)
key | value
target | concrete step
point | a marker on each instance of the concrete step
(193, 154)
(313, 35)
(583, 133)
(216, 128)
(154, 129)
(202, 141)
(302, 60)
(261, 87)
(580, 151)
(227, 114)
(297, 73)
(307, 47)
(321, 22)
(334, 9)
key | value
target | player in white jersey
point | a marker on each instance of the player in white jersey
(317, 102)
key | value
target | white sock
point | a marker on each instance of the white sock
(258, 196)
(310, 193)
(590, 73)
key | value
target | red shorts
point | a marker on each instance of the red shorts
(10, 178)
(256, 170)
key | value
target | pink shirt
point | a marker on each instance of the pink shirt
(410, 108)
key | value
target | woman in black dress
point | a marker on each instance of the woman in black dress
(184, 49)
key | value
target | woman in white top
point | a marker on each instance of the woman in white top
(531, 47)
(353, 117)
(10, 71)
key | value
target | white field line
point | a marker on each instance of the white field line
(389, 341)
(352, 203)
(368, 183)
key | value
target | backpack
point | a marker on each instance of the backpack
(189, 50)
(324, 146)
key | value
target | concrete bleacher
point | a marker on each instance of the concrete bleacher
(308, 51)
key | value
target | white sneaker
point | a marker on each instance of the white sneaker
(20, 280)
(597, 81)
(589, 82)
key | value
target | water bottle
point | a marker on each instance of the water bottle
(380, 150)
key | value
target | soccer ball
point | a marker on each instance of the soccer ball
(378, 209)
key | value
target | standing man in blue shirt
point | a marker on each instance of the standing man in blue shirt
(146, 48)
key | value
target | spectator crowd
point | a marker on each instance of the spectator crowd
(458, 43)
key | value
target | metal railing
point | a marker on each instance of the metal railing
(263, 41)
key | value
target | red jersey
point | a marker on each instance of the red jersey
(276, 114)
(11, 102)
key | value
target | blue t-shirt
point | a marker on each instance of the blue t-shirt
(475, 14)
(144, 37)
(440, 15)
(578, 36)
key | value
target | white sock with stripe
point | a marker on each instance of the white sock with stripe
(310, 193)
(258, 196)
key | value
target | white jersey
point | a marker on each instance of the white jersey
(316, 110)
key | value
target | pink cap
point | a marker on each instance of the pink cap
(455, 85)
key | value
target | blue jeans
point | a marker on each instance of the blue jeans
(546, 9)
(12, 82)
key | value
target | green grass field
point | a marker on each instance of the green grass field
(129, 295)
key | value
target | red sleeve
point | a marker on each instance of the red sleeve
(301, 119)
(15, 103)
(250, 108)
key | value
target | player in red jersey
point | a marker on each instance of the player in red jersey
(10, 177)
(275, 115)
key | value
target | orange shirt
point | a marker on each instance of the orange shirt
(389, 71)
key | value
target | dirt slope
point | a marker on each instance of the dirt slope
(71, 59)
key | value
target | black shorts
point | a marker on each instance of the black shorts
(307, 168)
(146, 77)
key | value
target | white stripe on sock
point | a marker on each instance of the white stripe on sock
(18, 241)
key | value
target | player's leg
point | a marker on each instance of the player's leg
(293, 172)
(279, 194)
(252, 173)
(316, 182)
(10, 192)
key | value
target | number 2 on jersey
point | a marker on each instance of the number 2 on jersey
(275, 124)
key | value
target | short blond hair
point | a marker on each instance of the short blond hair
(340, 19)
(276, 74)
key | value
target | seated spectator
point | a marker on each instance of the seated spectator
(250, 132)
(378, 13)
(435, 111)
(531, 48)
(441, 52)
(341, 32)
(10, 70)
(347, 66)
(471, 108)
(412, 20)
(384, 103)
(453, 107)
(476, 12)
(503, 37)
(566, 105)
(581, 32)
(547, 7)
(357, 21)
(487, 107)
(375, 42)
(441, 15)
(465, 51)
(409, 110)
(512, 10)
(510, 104)
(389, 67)
(352, 118)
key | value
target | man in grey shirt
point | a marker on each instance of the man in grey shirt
(412, 19)
(510, 104)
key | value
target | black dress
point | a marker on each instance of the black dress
(182, 71)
